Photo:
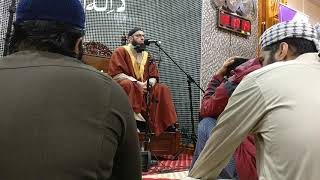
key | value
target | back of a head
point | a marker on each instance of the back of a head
(302, 37)
(48, 25)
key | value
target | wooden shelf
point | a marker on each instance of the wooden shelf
(98, 62)
(166, 143)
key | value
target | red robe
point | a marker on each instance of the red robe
(162, 111)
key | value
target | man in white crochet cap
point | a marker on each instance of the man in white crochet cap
(278, 104)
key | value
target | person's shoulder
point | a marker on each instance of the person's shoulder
(307, 58)
(82, 69)
(265, 75)
(91, 70)
(120, 48)
(269, 69)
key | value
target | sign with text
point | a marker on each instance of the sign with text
(107, 6)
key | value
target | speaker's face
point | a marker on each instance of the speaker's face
(138, 38)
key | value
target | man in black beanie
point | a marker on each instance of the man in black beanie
(61, 119)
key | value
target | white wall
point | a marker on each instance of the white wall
(308, 7)
(217, 45)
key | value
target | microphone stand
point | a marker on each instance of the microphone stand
(12, 10)
(146, 138)
(190, 80)
(159, 52)
(147, 115)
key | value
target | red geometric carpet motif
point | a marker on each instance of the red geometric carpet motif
(166, 166)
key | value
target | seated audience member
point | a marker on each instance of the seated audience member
(61, 119)
(129, 66)
(242, 164)
(278, 106)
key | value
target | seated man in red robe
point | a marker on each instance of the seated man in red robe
(129, 66)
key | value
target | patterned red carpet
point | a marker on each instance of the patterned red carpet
(155, 179)
(169, 169)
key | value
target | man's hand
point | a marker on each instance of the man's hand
(224, 69)
(143, 85)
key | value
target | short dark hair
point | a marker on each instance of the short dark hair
(45, 36)
(297, 45)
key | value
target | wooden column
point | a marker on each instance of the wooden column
(268, 13)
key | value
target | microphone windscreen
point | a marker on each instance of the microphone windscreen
(146, 42)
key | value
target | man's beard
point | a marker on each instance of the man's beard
(80, 53)
(138, 47)
(270, 59)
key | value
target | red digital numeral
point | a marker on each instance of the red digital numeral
(225, 20)
(246, 26)
(235, 23)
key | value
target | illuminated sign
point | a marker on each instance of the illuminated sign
(234, 23)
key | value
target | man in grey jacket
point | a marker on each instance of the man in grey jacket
(61, 119)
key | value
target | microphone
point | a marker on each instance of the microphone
(147, 42)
